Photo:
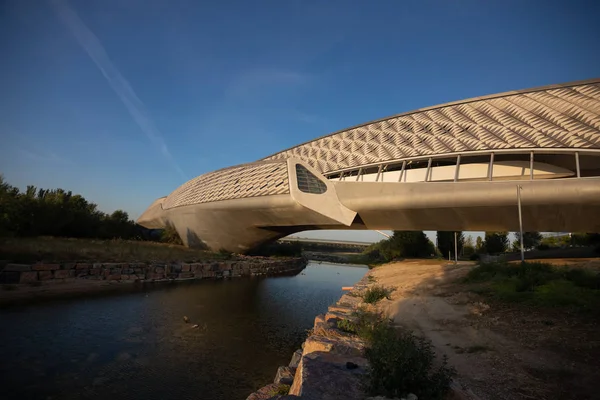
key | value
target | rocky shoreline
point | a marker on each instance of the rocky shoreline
(25, 281)
(330, 364)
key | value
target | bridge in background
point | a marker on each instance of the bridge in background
(456, 166)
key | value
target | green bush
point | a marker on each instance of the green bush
(376, 293)
(539, 284)
(345, 325)
(280, 390)
(401, 363)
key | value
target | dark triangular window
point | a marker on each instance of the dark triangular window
(307, 182)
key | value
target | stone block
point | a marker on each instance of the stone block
(167, 269)
(325, 376)
(158, 276)
(28, 277)
(185, 268)
(127, 271)
(115, 277)
(84, 266)
(116, 271)
(284, 376)
(342, 345)
(95, 271)
(296, 357)
(45, 267)
(159, 270)
(45, 275)
(97, 265)
(125, 277)
(17, 268)
(81, 273)
(61, 274)
(72, 273)
(68, 266)
(265, 392)
(334, 316)
(185, 275)
(199, 274)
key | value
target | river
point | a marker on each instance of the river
(136, 345)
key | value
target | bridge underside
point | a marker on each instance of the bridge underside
(238, 225)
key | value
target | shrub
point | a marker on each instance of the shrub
(280, 390)
(539, 284)
(401, 363)
(375, 293)
(345, 325)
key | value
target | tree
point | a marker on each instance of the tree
(530, 240)
(468, 247)
(446, 242)
(479, 244)
(401, 244)
(57, 212)
(496, 242)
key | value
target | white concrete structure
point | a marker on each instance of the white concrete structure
(450, 167)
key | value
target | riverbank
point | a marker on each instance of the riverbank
(498, 349)
(22, 282)
(330, 364)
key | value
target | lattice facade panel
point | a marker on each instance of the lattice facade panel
(249, 180)
(558, 117)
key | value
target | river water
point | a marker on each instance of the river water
(136, 345)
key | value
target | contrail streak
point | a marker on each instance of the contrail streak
(93, 47)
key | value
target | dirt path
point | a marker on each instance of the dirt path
(498, 353)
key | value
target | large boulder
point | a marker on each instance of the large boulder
(326, 376)
(296, 357)
(336, 344)
(284, 376)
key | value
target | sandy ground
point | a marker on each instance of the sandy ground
(499, 352)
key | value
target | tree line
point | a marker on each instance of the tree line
(415, 244)
(57, 212)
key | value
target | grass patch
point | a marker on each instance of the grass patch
(347, 326)
(376, 293)
(30, 250)
(371, 279)
(538, 284)
(280, 390)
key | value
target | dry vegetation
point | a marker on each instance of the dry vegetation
(29, 250)
(511, 334)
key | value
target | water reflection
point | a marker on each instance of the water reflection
(136, 345)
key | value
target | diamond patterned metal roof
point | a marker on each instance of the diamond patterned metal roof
(560, 116)
(242, 181)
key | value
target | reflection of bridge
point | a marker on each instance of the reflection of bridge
(449, 167)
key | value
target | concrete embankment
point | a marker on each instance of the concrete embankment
(25, 281)
(330, 364)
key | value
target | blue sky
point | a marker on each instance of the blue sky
(123, 101)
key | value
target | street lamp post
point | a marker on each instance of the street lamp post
(519, 188)
(455, 249)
